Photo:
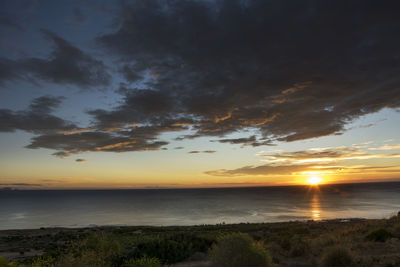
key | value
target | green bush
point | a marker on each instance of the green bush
(143, 262)
(98, 250)
(337, 257)
(239, 250)
(5, 263)
(380, 235)
(171, 248)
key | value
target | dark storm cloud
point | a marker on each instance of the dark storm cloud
(291, 70)
(37, 118)
(286, 71)
(66, 64)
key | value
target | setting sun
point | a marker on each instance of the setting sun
(314, 180)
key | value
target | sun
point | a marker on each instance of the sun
(314, 180)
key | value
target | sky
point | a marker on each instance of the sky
(190, 93)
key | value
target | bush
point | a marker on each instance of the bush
(380, 235)
(95, 251)
(397, 231)
(143, 262)
(239, 250)
(43, 262)
(5, 263)
(171, 248)
(337, 257)
(298, 247)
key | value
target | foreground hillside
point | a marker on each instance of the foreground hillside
(355, 242)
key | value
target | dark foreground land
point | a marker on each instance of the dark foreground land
(355, 242)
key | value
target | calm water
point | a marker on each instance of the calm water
(76, 208)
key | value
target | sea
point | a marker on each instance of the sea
(29, 209)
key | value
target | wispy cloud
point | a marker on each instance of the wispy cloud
(328, 160)
(205, 151)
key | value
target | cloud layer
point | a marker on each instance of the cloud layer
(291, 71)
(285, 71)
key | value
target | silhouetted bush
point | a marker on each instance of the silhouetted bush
(380, 235)
(239, 250)
(337, 257)
(143, 262)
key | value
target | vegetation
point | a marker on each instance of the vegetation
(380, 235)
(239, 250)
(328, 243)
(337, 257)
(143, 262)
(5, 263)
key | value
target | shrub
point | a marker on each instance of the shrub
(239, 250)
(171, 248)
(143, 262)
(43, 262)
(380, 235)
(5, 263)
(95, 251)
(337, 257)
(298, 247)
(397, 231)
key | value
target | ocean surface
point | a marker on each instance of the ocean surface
(22, 209)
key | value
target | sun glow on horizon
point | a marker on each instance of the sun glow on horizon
(314, 180)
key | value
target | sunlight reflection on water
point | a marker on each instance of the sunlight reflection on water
(315, 207)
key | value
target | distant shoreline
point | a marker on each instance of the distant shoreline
(104, 227)
(8, 189)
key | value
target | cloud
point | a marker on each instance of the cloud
(246, 141)
(20, 184)
(329, 153)
(290, 71)
(79, 17)
(80, 160)
(96, 141)
(314, 160)
(37, 118)
(6, 21)
(66, 64)
(262, 170)
(205, 151)
(386, 147)
(324, 155)
(284, 71)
